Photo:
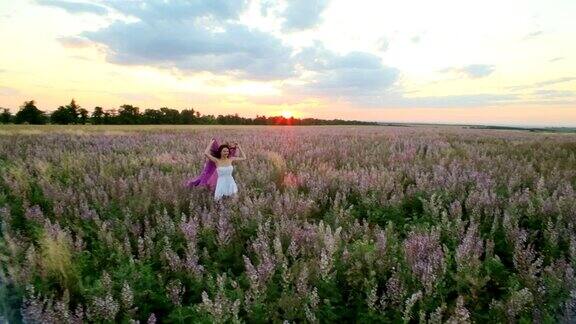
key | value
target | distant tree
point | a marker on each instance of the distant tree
(98, 116)
(74, 110)
(187, 116)
(69, 114)
(111, 116)
(61, 116)
(260, 120)
(5, 116)
(30, 114)
(208, 120)
(170, 116)
(128, 114)
(83, 116)
(152, 116)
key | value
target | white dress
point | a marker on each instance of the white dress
(225, 185)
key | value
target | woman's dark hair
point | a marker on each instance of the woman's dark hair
(218, 154)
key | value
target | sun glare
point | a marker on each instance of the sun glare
(287, 114)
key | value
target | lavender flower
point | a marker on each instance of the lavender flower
(127, 296)
(470, 250)
(410, 302)
(461, 314)
(34, 214)
(175, 290)
(425, 257)
(104, 308)
(119, 190)
(222, 308)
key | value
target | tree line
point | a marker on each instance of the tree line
(72, 113)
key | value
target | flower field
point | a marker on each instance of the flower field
(333, 224)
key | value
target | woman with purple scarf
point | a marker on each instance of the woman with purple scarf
(217, 172)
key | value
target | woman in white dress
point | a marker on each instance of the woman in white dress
(225, 185)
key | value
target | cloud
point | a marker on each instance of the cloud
(196, 36)
(303, 14)
(266, 6)
(394, 98)
(474, 71)
(73, 42)
(154, 10)
(75, 7)
(137, 96)
(361, 79)
(478, 70)
(554, 94)
(236, 50)
(474, 100)
(347, 77)
(556, 59)
(571, 102)
(533, 34)
(554, 81)
(7, 91)
(543, 83)
(79, 57)
(383, 44)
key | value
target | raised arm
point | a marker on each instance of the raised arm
(239, 158)
(208, 154)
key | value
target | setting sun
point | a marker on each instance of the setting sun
(287, 114)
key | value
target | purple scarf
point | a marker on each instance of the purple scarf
(208, 177)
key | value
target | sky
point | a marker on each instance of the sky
(491, 62)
